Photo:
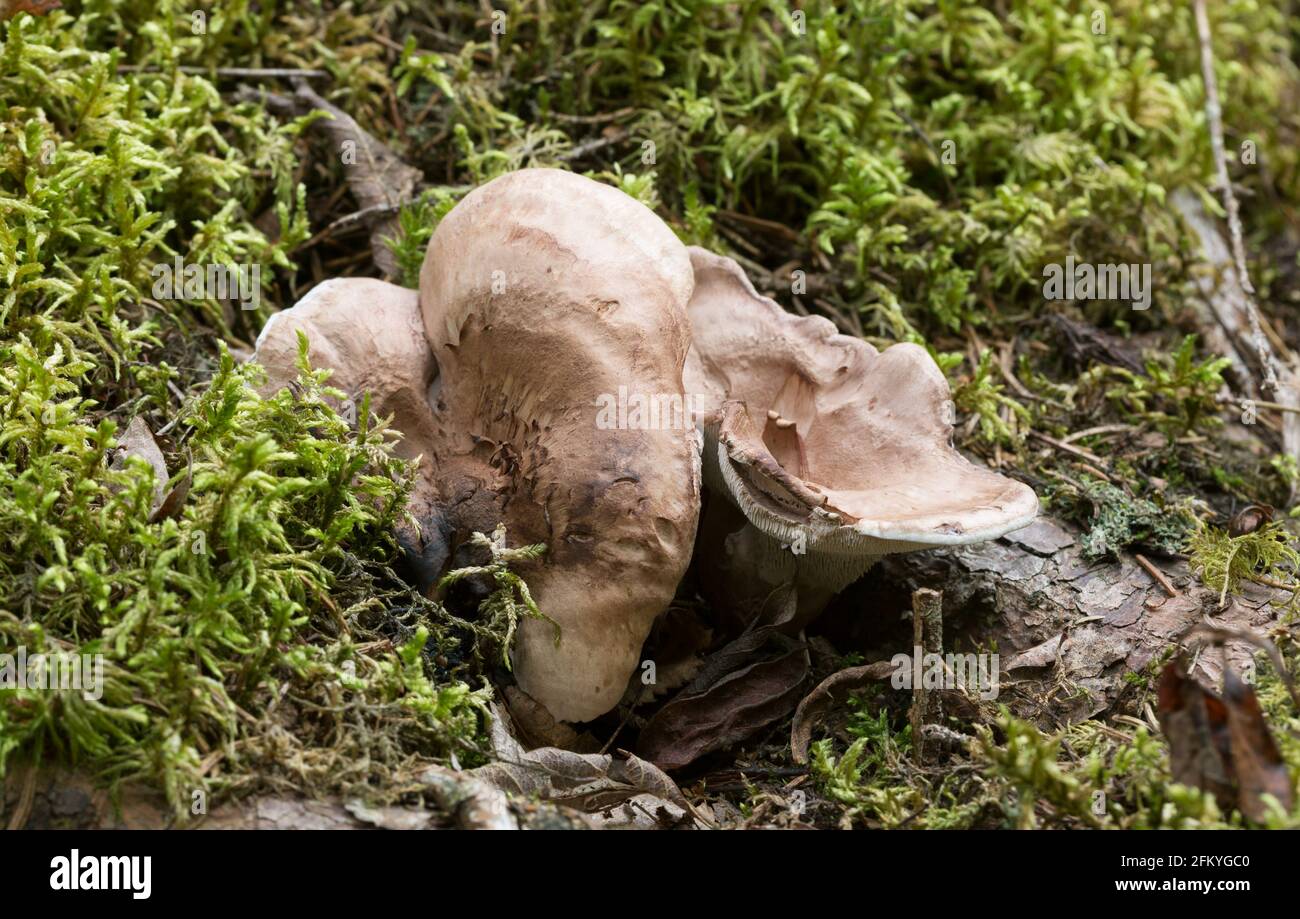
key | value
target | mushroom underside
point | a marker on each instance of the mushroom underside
(835, 453)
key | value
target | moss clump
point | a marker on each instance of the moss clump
(1013, 775)
(210, 620)
(1115, 520)
(1223, 561)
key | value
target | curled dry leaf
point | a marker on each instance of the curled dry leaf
(834, 688)
(591, 782)
(731, 697)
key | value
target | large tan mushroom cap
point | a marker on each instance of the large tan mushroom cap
(543, 294)
(820, 437)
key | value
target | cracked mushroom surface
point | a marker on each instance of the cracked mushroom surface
(829, 452)
(544, 296)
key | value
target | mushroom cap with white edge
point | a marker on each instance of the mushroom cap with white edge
(821, 439)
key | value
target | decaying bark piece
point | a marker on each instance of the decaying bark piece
(1067, 630)
(927, 638)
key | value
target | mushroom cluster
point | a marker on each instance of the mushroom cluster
(544, 299)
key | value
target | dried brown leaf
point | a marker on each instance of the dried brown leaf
(835, 687)
(701, 721)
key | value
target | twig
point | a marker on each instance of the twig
(1156, 573)
(1069, 448)
(588, 147)
(23, 807)
(927, 638)
(1260, 403)
(366, 215)
(246, 73)
(1214, 115)
(771, 226)
(1271, 582)
(592, 119)
(1004, 366)
(1100, 429)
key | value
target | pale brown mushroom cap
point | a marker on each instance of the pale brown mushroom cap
(819, 432)
(542, 293)
(370, 335)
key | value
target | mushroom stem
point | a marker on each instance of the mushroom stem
(748, 568)
(751, 564)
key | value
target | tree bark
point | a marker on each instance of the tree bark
(1068, 631)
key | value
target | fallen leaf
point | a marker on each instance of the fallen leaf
(1255, 757)
(835, 687)
(596, 783)
(1221, 745)
(1043, 654)
(703, 719)
(1250, 518)
(137, 440)
(1195, 724)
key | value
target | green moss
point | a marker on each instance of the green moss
(1114, 520)
(1222, 562)
(209, 619)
